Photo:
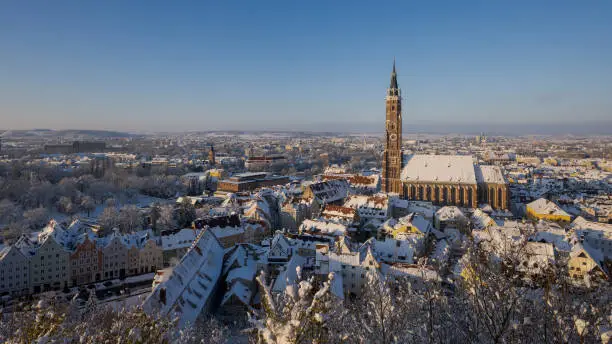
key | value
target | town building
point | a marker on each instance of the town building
(188, 290)
(263, 163)
(543, 209)
(14, 271)
(86, 262)
(250, 181)
(114, 256)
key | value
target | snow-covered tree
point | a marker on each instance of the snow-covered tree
(298, 315)
(36, 218)
(88, 204)
(185, 213)
(109, 218)
(166, 218)
(130, 219)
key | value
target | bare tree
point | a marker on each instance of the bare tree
(88, 204)
(130, 219)
(36, 218)
(109, 218)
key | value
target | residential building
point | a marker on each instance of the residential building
(14, 271)
(543, 209)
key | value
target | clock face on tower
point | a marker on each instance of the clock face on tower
(392, 137)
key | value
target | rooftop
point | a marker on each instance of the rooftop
(440, 169)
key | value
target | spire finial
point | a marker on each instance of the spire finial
(393, 76)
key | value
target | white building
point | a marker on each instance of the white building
(14, 271)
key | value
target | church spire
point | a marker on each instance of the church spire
(393, 77)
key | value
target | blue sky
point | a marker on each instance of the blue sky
(316, 65)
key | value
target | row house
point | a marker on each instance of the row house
(49, 263)
(114, 257)
(150, 257)
(86, 262)
(14, 271)
(59, 258)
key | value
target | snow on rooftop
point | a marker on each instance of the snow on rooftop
(241, 291)
(191, 283)
(439, 168)
(181, 239)
(222, 232)
(582, 223)
(325, 227)
(544, 206)
(489, 174)
(379, 201)
(449, 213)
(391, 250)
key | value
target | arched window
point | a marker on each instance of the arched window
(421, 192)
(445, 195)
(453, 195)
(428, 193)
(491, 197)
(413, 192)
(436, 193)
(470, 196)
(500, 202)
(461, 195)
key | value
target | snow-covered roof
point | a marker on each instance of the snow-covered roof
(330, 191)
(481, 220)
(181, 239)
(379, 201)
(241, 291)
(222, 232)
(439, 168)
(489, 174)
(325, 227)
(190, 284)
(391, 250)
(449, 213)
(581, 223)
(544, 206)
(592, 252)
(246, 273)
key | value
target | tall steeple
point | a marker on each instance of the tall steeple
(392, 156)
(393, 77)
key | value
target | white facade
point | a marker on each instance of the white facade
(14, 271)
(49, 266)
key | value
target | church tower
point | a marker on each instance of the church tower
(392, 157)
(211, 155)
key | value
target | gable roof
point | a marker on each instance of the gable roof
(439, 168)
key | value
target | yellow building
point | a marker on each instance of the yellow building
(543, 209)
(583, 261)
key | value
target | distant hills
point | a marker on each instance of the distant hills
(68, 132)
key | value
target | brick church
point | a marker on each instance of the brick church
(441, 179)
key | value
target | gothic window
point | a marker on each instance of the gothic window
(470, 202)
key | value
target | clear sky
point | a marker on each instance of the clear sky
(203, 65)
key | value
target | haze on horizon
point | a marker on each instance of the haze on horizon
(244, 65)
